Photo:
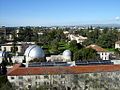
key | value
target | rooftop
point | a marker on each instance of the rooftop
(18, 70)
(118, 42)
(97, 48)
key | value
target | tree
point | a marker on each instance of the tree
(38, 60)
(73, 45)
(4, 83)
(117, 53)
(25, 34)
(54, 46)
(14, 49)
(85, 54)
(107, 40)
(3, 65)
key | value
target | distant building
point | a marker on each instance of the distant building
(21, 46)
(78, 38)
(117, 45)
(66, 32)
(6, 32)
(65, 57)
(104, 54)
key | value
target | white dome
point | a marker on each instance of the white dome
(34, 51)
(67, 53)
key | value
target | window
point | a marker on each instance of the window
(20, 77)
(46, 83)
(11, 49)
(46, 76)
(105, 58)
(62, 76)
(102, 53)
(55, 82)
(4, 48)
(37, 77)
(29, 80)
(12, 77)
(36, 83)
(29, 86)
(21, 83)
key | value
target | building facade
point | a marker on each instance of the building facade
(117, 45)
(78, 38)
(65, 78)
(21, 46)
(103, 53)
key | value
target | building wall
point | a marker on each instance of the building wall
(79, 39)
(8, 48)
(39, 80)
(59, 58)
(117, 46)
(86, 81)
(104, 55)
(17, 59)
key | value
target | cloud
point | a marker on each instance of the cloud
(117, 18)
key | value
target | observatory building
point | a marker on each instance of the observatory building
(33, 52)
(67, 55)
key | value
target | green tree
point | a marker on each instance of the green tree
(14, 49)
(5, 84)
(38, 60)
(85, 54)
(73, 45)
(54, 46)
(107, 40)
(117, 53)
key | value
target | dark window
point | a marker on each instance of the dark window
(4, 48)
(21, 83)
(29, 80)
(35, 83)
(12, 77)
(46, 76)
(20, 77)
(62, 76)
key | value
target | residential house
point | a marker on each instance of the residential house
(117, 45)
(104, 54)
(80, 39)
(21, 46)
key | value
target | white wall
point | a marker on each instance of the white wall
(116, 61)
(8, 48)
(104, 55)
(18, 59)
(37, 80)
(117, 46)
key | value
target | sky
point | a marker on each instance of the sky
(58, 12)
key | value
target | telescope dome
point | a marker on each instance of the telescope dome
(34, 51)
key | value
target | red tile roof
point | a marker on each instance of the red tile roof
(118, 42)
(97, 48)
(62, 70)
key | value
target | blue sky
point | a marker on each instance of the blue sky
(58, 12)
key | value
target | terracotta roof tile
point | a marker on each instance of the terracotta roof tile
(118, 42)
(97, 48)
(63, 70)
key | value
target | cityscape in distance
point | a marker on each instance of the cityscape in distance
(59, 45)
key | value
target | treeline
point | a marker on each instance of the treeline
(55, 41)
(105, 38)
